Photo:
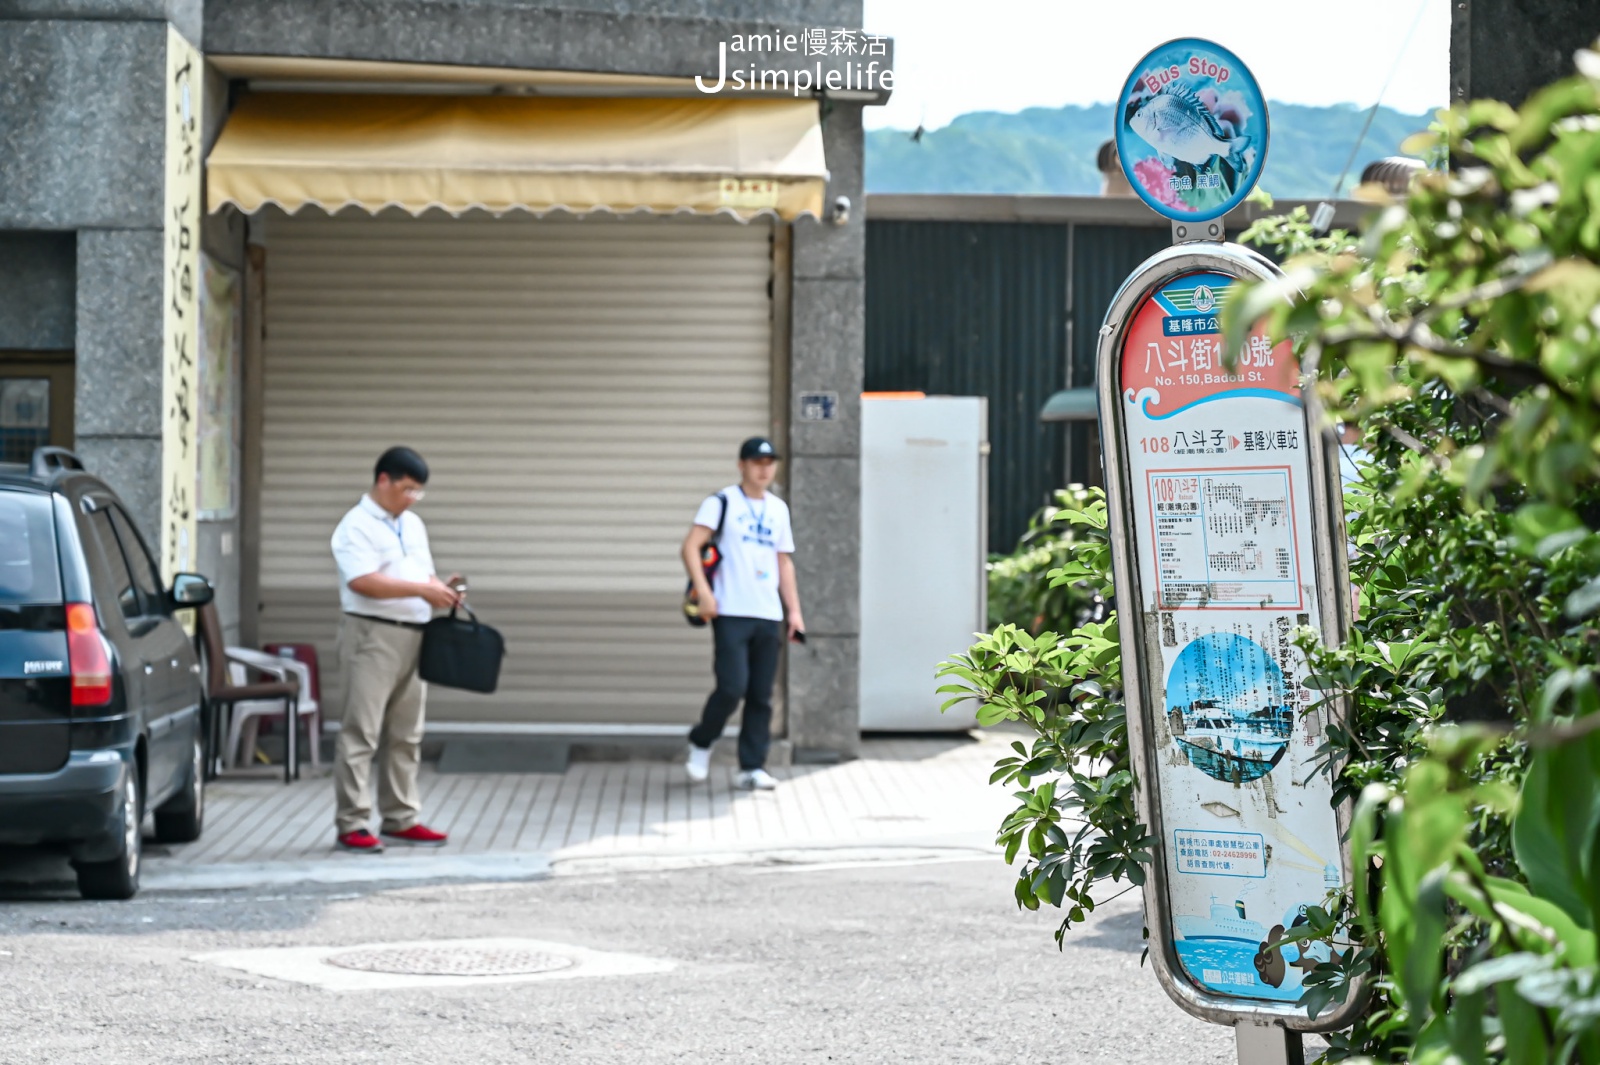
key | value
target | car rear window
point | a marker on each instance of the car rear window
(29, 572)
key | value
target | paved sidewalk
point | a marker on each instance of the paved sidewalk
(910, 795)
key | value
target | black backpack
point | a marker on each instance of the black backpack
(710, 559)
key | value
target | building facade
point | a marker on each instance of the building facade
(247, 244)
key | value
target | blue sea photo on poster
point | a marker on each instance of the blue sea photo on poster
(1192, 130)
(1228, 707)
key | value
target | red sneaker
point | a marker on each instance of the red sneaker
(361, 842)
(418, 835)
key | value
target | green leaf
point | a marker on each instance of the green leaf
(1537, 522)
(1363, 833)
(1419, 144)
(1421, 966)
(1556, 543)
(1584, 601)
(1466, 1028)
(1523, 1028)
(1539, 922)
(1554, 833)
(1486, 974)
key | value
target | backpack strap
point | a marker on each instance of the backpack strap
(722, 516)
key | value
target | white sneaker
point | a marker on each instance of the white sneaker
(699, 764)
(755, 780)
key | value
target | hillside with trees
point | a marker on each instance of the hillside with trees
(1052, 151)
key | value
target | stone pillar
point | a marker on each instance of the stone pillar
(119, 367)
(827, 354)
(85, 155)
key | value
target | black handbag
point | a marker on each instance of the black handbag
(461, 652)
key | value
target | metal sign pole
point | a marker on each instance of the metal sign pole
(1227, 539)
(1268, 1044)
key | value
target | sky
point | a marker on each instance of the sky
(954, 56)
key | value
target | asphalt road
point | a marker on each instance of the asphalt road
(867, 963)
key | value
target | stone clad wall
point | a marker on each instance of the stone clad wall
(183, 14)
(84, 97)
(652, 37)
(38, 290)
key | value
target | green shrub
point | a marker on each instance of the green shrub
(1020, 592)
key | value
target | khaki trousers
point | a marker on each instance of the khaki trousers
(383, 702)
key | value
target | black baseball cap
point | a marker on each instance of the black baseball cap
(757, 447)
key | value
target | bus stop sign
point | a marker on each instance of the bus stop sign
(1227, 536)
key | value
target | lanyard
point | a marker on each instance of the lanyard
(759, 519)
(398, 535)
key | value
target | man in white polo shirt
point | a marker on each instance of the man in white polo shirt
(388, 591)
(751, 602)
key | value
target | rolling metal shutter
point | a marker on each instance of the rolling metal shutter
(577, 388)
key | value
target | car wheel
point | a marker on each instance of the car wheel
(118, 878)
(180, 818)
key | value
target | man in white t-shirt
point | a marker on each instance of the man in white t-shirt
(752, 603)
(388, 591)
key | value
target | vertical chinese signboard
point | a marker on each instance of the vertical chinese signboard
(180, 306)
(221, 343)
(1227, 533)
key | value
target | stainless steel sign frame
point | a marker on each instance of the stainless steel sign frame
(1263, 835)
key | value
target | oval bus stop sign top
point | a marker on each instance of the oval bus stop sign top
(1191, 130)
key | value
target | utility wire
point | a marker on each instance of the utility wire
(1373, 113)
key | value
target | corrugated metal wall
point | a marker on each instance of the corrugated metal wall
(1007, 310)
(1102, 259)
(578, 388)
(977, 309)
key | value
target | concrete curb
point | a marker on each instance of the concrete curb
(770, 859)
(830, 855)
(164, 875)
(161, 875)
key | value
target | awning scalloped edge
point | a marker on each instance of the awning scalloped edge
(739, 214)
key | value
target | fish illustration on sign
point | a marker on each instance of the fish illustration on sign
(1191, 130)
(1177, 123)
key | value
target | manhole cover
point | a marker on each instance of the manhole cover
(450, 961)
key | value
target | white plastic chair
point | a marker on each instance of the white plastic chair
(247, 715)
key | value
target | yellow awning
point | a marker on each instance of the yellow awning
(499, 153)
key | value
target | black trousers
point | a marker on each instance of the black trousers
(746, 664)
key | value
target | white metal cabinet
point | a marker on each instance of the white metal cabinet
(923, 584)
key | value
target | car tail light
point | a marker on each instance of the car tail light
(87, 654)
